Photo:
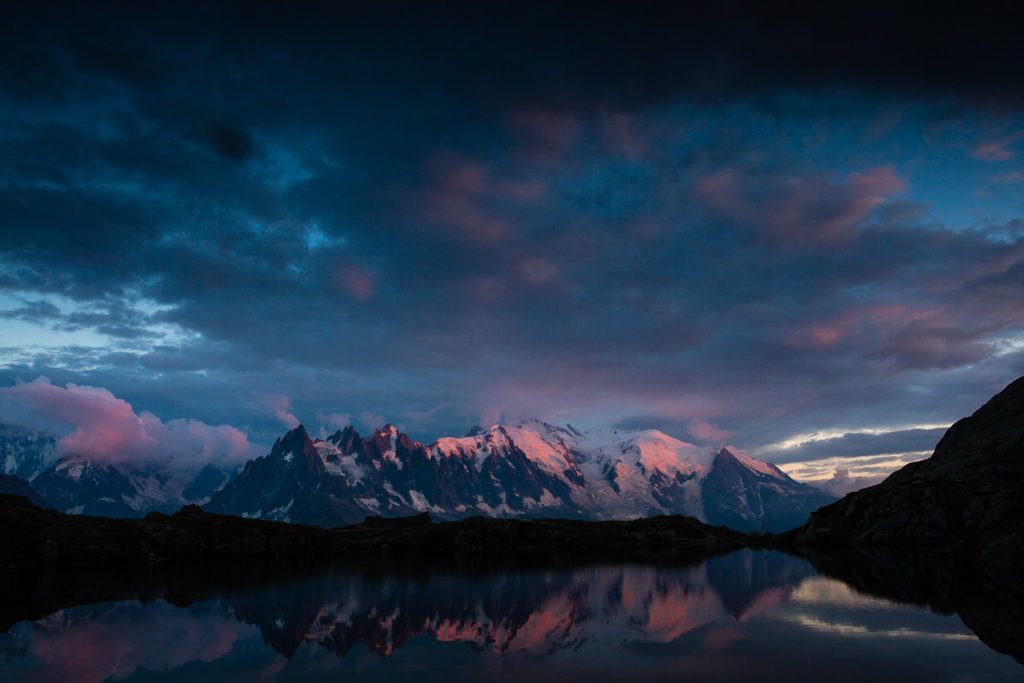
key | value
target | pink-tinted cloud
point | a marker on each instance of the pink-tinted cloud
(92, 422)
(277, 406)
(485, 290)
(624, 133)
(371, 420)
(417, 416)
(814, 210)
(721, 190)
(707, 432)
(863, 323)
(538, 271)
(1009, 178)
(877, 183)
(118, 641)
(356, 281)
(334, 420)
(523, 191)
(469, 198)
(547, 135)
(460, 201)
(994, 151)
(819, 337)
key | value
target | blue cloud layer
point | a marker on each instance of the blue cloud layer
(453, 225)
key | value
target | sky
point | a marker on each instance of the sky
(797, 230)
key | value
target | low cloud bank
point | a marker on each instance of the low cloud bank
(842, 482)
(92, 422)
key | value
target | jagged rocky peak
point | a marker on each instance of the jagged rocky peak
(388, 430)
(387, 439)
(295, 439)
(296, 446)
(347, 441)
(522, 468)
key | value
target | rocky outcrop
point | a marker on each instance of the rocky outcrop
(969, 495)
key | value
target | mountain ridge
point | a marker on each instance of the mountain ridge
(528, 469)
(517, 470)
(968, 496)
(81, 485)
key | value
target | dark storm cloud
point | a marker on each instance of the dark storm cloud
(34, 311)
(653, 218)
(230, 142)
(552, 54)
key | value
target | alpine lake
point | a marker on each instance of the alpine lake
(758, 615)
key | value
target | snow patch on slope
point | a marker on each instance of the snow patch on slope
(542, 444)
(473, 449)
(545, 445)
(72, 468)
(339, 465)
(656, 451)
(632, 476)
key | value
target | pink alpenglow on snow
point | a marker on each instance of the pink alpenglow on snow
(765, 468)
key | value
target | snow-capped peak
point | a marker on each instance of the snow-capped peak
(524, 468)
(545, 445)
(656, 450)
(388, 430)
(756, 466)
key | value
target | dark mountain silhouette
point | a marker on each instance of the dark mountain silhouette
(968, 496)
(17, 486)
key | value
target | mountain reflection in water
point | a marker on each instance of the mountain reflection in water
(751, 615)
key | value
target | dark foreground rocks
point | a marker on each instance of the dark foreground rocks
(30, 535)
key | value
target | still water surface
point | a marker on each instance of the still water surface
(752, 615)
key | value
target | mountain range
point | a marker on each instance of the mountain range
(81, 485)
(533, 469)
